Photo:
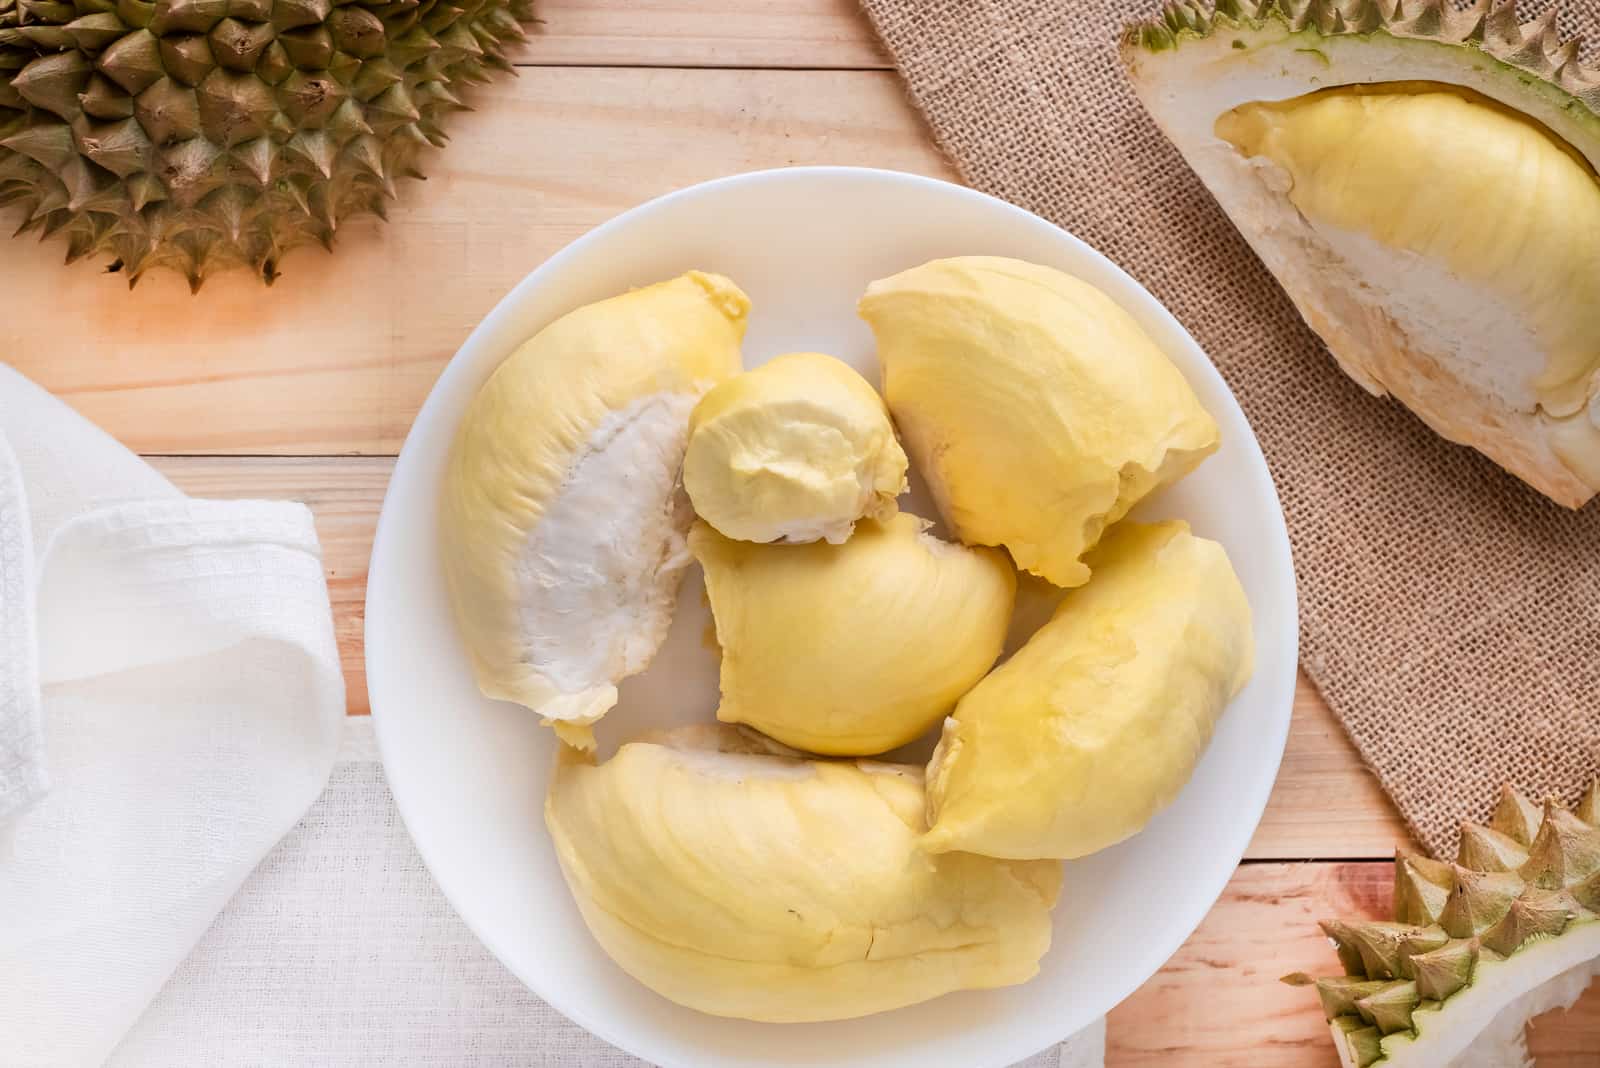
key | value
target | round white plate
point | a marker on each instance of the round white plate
(469, 774)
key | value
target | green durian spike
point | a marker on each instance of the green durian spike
(1515, 816)
(1536, 914)
(1478, 901)
(1441, 972)
(1565, 852)
(1421, 888)
(1485, 849)
(1390, 1009)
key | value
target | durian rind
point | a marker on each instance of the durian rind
(1097, 722)
(853, 649)
(562, 518)
(1037, 410)
(785, 890)
(203, 136)
(1195, 65)
(1531, 944)
(795, 450)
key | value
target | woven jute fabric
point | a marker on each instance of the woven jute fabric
(1449, 615)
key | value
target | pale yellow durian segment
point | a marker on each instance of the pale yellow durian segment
(1097, 722)
(562, 518)
(785, 890)
(1035, 407)
(852, 649)
(796, 450)
(1460, 181)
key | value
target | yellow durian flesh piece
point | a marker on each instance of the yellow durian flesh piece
(1036, 408)
(562, 521)
(796, 450)
(1096, 723)
(1455, 178)
(1477, 232)
(852, 649)
(785, 890)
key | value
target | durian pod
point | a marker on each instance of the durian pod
(563, 523)
(795, 451)
(1096, 723)
(203, 136)
(1422, 182)
(1036, 409)
(852, 649)
(743, 883)
(1506, 946)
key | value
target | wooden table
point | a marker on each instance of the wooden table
(305, 391)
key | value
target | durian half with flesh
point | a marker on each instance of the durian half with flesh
(740, 881)
(563, 521)
(1423, 184)
(1475, 949)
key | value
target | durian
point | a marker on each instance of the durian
(207, 134)
(563, 521)
(1422, 181)
(748, 884)
(853, 649)
(1035, 407)
(796, 450)
(1096, 723)
(1474, 952)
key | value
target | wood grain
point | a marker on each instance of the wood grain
(1218, 1003)
(1325, 805)
(337, 356)
(710, 33)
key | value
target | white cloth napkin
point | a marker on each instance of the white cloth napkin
(170, 704)
(341, 951)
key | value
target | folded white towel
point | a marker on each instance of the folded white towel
(170, 701)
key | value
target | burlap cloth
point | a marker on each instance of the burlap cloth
(1449, 615)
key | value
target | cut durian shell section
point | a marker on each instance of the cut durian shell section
(794, 451)
(1096, 723)
(1476, 948)
(563, 519)
(764, 887)
(1036, 409)
(1422, 182)
(858, 648)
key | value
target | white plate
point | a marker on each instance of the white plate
(469, 774)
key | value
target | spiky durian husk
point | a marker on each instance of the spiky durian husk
(1491, 26)
(1458, 925)
(206, 134)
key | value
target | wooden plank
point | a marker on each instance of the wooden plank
(337, 356)
(703, 33)
(1324, 805)
(1218, 1001)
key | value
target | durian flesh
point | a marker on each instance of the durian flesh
(1425, 190)
(1038, 411)
(1476, 949)
(771, 888)
(1096, 723)
(796, 450)
(563, 522)
(853, 649)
